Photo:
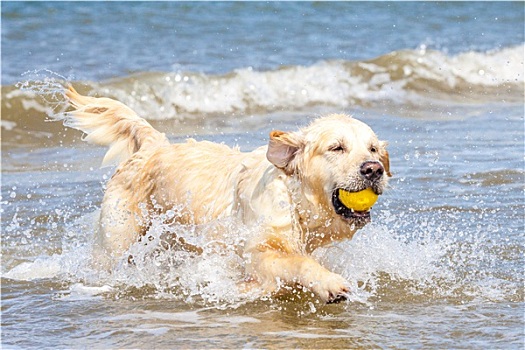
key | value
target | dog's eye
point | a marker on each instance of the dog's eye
(337, 148)
(373, 149)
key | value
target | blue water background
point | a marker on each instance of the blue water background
(100, 40)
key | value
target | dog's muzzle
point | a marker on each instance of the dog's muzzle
(371, 173)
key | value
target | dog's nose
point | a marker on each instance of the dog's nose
(372, 170)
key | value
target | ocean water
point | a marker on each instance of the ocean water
(440, 266)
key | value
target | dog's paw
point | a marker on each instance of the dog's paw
(333, 288)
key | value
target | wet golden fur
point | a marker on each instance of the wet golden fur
(285, 187)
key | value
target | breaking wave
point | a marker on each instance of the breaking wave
(400, 77)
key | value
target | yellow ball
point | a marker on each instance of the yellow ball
(359, 201)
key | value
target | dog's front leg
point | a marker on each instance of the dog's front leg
(272, 267)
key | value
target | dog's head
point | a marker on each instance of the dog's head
(333, 154)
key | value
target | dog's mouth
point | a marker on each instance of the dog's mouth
(354, 205)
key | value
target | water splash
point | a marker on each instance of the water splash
(380, 264)
(45, 84)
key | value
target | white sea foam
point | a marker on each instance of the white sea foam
(41, 267)
(7, 125)
(401, 77)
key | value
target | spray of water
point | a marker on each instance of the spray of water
(41, 90)
(380, 264)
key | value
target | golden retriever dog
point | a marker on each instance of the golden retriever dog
(289, 188)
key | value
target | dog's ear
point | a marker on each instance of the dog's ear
(384, 158)
(282, 149)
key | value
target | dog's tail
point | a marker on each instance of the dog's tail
(108, 122)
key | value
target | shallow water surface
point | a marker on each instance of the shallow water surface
(440, 266)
